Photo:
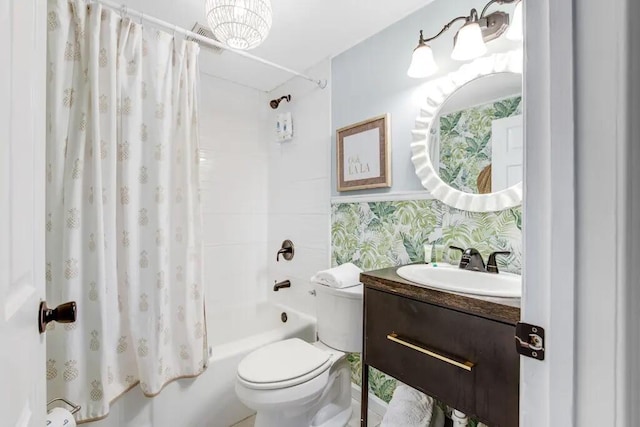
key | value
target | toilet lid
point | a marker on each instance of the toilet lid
(283, 361)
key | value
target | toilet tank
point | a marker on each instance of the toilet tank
(340, 317)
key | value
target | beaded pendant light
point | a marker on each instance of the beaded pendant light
(240, 24)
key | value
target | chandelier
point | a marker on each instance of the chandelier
(240, 24)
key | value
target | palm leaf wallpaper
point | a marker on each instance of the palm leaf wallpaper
(377, 235)
(383, 234)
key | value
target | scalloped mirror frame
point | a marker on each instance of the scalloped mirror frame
(437, 93)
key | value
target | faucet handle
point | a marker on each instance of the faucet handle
(287, 251)
(492, 266)
(463, 262)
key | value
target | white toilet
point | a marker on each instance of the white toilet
(292, 383)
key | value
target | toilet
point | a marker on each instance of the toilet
(292, 383)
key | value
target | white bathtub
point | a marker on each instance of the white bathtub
(210, 399)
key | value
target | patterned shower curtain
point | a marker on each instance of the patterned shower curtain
(123, 216)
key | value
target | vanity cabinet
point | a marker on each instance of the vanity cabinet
(457, 348)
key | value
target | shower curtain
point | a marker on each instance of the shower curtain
(123, 215)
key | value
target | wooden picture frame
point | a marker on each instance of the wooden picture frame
(364, 155)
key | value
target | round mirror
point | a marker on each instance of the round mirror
(468, 148)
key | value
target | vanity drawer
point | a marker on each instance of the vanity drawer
(466, 361)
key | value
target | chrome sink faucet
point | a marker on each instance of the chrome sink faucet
(472, 260)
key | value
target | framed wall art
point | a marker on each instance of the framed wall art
(363, 154)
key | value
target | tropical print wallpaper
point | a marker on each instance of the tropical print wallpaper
(377, 235)
(465, 141)
(383, 234)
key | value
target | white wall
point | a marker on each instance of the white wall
(299, 183)
(233, 170)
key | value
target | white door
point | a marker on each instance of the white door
(22, 270)
(507, 138)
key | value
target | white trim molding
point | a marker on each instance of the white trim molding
(547, 389)
(383, 197)
(439, 91)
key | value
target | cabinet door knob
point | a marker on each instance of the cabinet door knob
(64, 313)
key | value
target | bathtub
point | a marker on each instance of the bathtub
(210, 400)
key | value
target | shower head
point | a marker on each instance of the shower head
(274, 103)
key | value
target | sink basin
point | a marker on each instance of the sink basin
(451, 278)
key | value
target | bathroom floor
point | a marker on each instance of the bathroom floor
(374, 419)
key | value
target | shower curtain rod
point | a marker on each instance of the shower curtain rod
(142, 16)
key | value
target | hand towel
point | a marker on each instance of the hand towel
(342, 276)
(410, 408)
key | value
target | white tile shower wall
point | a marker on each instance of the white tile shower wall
(234, 174)
(299, 187)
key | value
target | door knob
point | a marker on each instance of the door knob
(64, 313)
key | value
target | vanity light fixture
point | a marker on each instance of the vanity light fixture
(422, 62)
(469, 41)
(515, 29)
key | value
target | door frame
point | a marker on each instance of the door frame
(582, 212)
(547, 388)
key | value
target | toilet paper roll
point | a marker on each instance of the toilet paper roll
(60, 417)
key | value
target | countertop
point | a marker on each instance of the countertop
(506, 310)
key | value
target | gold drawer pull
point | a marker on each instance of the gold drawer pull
(460, 363)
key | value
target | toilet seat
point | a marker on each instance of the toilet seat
(283, 364)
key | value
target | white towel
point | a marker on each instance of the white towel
(411, 408)
(342, 276)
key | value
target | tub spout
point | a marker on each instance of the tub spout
(280, 285)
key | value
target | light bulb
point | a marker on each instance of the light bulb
(515, 28)
(422, 62)
(468, 43)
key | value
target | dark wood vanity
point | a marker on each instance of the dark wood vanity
(457, 348)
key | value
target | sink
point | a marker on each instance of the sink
(451, 278)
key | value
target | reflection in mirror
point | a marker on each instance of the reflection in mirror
(492, 80)
(477, 137)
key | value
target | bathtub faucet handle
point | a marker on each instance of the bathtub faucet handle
(286, 251)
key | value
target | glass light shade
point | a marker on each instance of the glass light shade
(469, 43)
(422, 62)
(240, 24)
(514, 32)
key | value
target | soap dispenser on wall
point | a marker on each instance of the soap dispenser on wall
(284, 121)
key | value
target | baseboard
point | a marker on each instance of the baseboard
(376, 405)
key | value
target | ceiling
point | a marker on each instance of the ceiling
(304, 32)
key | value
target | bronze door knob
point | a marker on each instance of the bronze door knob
(64, 313)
